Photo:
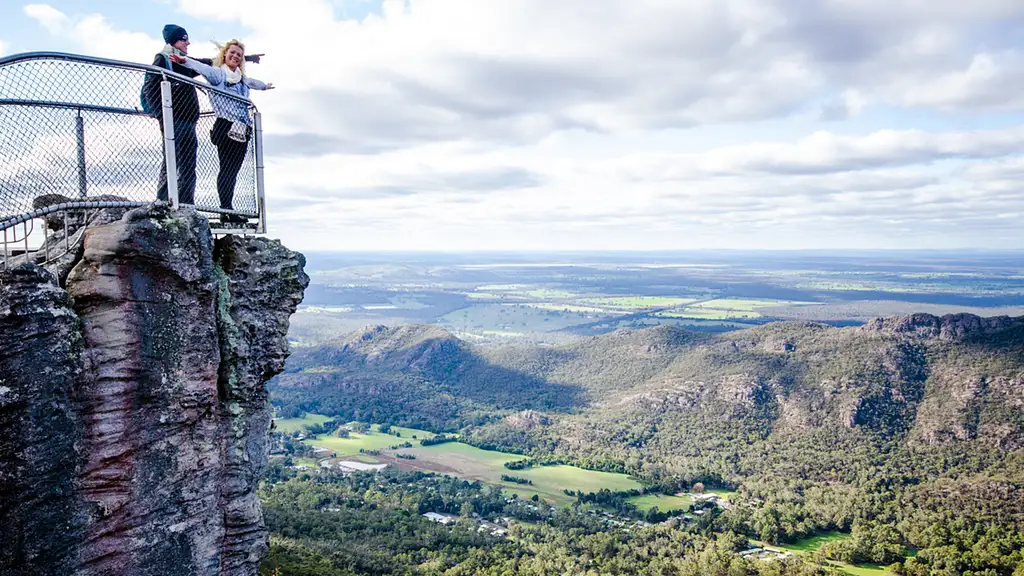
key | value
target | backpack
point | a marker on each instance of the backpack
(151, 107)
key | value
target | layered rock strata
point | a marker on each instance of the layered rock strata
(165, 343)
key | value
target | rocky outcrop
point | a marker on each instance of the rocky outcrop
(949, 328)
(260, 283)
(166, 410)
(40, 525)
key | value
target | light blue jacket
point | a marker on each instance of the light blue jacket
(224, 107)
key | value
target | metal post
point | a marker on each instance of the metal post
(67, 241)
(6, 250)
(25, 227)
(261, 226)
(169, 154)
(80, 132)
(46, 242)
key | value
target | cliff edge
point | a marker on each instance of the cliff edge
(134, 419)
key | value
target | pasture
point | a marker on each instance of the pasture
(811, 545)
(289, 425)
(635, 302)
(664, 502)
(471, 463)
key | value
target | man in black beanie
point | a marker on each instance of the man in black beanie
(185, 112)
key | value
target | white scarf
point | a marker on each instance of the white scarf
(231, 76)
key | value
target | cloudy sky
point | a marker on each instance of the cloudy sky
(612, 124)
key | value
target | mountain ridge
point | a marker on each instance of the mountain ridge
(929, 379)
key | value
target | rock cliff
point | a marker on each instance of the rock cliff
(133, 415)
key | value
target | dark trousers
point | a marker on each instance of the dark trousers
(185, 146)
(232, 156)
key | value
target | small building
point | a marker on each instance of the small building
(445, 519)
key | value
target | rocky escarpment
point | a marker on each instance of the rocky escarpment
(133, 412)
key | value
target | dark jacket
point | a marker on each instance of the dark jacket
(184, 101)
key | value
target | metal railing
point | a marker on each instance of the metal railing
(75, 135)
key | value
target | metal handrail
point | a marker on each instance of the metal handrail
(254, 155)
(111, 63)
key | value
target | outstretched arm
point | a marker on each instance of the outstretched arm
(258, 84)
(213, 75)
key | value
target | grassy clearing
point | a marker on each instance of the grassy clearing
(472, 463)
(723, 494)
(814, 542)
(373, 440)
(748, 305)
(465, 461)
(706, 314)
(811, 545)
(549, 294)
(862, 570)
(407, 433)
(570, 308)
(635, 302)
(662, 501)
(289, 425)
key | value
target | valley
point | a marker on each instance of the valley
(752, 418)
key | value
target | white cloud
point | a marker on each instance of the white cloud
(95, 35)
(606, 124)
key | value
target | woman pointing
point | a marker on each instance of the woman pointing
(233, 127)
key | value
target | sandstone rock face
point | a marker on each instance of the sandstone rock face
(40, 525)
(261, 283)
(167, 415)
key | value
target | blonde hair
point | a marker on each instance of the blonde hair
(222, 52)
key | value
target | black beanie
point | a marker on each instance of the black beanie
(173, 33)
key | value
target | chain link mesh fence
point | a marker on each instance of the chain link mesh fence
(75, 135)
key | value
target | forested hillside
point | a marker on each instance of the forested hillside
(908, 430)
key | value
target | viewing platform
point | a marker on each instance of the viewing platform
(77, 138)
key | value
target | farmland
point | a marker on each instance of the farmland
(289, 425)
(469, 462)
(662, 501)
(501, 298)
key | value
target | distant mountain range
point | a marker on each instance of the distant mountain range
(921, 380)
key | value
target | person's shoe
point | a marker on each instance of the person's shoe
(233, 219)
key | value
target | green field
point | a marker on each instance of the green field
(813, 543)
(635, 302)
(289, 425)
(723, 494)
(748, 305)
(372, 441)
(465, 461)
(810, 545)
(706, 314)
(862, 570)
(662, 501)
(557, 307)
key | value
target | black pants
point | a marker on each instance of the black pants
(232, 156)
(185, 146)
